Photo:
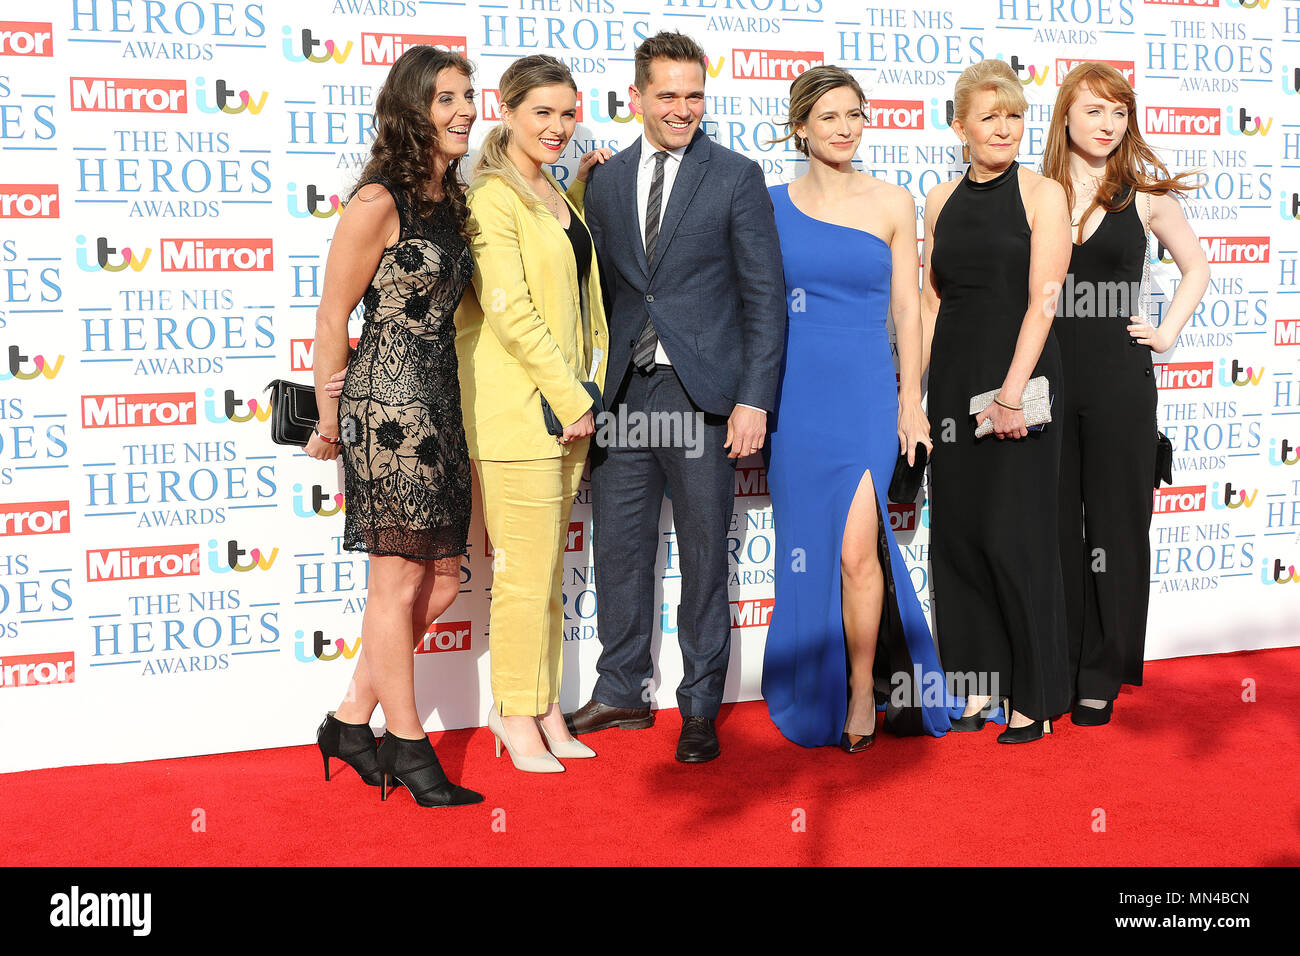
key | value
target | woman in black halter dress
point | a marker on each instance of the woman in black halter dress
(1119, 190)
(996, 241)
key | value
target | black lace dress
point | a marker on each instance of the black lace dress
(405, 461)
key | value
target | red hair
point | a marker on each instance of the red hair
(1132, 168)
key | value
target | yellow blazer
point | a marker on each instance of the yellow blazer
(520, 329)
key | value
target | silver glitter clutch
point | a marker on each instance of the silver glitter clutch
(1036, 399)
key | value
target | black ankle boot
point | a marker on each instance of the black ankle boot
(354, 744)
(414, 765)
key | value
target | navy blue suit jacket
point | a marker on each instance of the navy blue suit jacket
(716, 291)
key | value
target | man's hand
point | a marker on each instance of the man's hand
(746, 431)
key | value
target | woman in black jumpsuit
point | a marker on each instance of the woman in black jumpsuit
(1108, 415)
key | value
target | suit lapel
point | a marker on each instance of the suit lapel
(630, 214)
(687, 182)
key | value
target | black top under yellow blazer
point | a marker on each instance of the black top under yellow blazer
(524, 330)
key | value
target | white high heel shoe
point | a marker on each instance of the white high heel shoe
(542, 763)
(566, 748)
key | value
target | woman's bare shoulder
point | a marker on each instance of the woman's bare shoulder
(937, 196)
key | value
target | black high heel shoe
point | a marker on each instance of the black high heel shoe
(1023, 735)
(1081, 715)
(414, 765)
(354, 744)
(863, 743)
(973, 722)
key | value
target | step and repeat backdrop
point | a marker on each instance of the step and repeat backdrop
(172, 583)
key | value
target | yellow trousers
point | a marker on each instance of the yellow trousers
(526, 507)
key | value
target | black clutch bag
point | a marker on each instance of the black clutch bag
(906, 482)
(1164, 460)
(293, 412)
(553, 426)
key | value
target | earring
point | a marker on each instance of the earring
(965, 153)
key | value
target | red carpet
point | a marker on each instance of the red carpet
(1186, 774)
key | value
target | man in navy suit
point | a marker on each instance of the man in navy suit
(691, 266)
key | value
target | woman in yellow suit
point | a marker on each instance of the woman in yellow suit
(533, 328)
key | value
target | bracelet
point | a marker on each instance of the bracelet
(1014, 408)
(326, 440)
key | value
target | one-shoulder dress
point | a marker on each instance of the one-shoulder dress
(836, 419)
(406, 466)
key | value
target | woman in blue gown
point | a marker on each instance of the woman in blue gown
(846, 626)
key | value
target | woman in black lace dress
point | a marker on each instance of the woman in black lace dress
(400, 248)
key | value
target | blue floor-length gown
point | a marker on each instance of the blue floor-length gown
(836, 418)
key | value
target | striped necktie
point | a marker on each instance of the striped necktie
(643, 354)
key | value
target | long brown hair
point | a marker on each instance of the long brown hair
(1132, 168)
(406, 141)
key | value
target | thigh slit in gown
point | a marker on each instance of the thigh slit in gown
(836, 420)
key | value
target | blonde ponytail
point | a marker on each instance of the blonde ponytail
(493, 160)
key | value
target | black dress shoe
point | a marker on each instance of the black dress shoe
(863, 743)
(973, 722)
(698, 742)
(594, 716)
(1081, 715)
(967, 725)
(1023, 735)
